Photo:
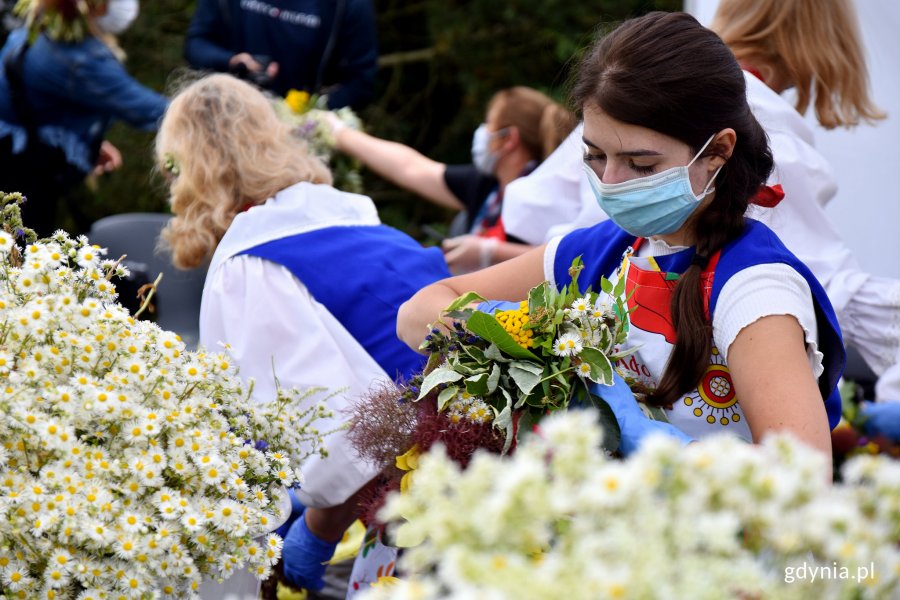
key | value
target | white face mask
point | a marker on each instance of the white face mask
(120, 14)
(482, 157)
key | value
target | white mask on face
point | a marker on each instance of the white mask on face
(120, 14)
(482, 157)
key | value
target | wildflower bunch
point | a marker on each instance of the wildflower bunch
(309, 116)
(491, 377)
(525, 362)
(129, 467)
(63, 21)
(715, 519)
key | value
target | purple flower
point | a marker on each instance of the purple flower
(261, 445)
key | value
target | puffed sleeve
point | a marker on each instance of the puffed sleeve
(272, 325)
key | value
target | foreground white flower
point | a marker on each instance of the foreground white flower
(716, 519)
(126, 462)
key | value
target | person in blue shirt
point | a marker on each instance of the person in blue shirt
(318, 46)
(59, 93)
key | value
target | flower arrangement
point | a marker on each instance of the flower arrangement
(492, 376)
(63, 20)
(715, 519)
(129, 467)
(310, 118)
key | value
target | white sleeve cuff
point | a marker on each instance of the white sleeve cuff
(550, 259)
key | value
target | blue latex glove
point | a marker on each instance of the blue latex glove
(297, 509)
(633, 423)
(882, 418)
(491, 306)
(304, 557)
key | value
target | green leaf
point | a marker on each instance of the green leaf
(434, 361)
(606, 285)
(493, 353)
(606, 340)
(464, 301)
(487, 327)
(504, 421)
(612, 435)
(477, 384)
(619, 288)
(493, 379)
(526, 375)
(575, 270)
(601, 368)
(540, 296)
(476, 353)
(436, 378)
(446, 395)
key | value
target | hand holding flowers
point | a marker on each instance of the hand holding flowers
(313, 122)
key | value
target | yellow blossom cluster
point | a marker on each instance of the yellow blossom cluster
(514, 321)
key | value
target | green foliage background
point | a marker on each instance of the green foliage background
(441, 60)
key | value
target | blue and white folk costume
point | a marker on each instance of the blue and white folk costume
(752, 277)
(308, 285)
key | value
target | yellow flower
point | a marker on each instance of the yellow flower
(408, 461)
(384, 582)
(297, 101)
(513, 322)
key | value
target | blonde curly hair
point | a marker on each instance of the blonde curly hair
(222, 148)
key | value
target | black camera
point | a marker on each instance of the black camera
(259, 78)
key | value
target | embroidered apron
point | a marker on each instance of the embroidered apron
(650, 282)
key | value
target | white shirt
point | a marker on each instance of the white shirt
(273, 325)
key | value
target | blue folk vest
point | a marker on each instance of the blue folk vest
(361, 275)
(602, 246)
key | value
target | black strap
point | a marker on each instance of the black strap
(329, 45)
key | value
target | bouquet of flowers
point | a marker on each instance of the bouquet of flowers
(129, 467)
(719, 518)
(309, 117)
(491, 376)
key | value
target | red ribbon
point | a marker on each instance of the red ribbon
(768, 196)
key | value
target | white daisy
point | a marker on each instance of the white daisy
(568, 344)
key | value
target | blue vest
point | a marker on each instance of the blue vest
(602, 246)
(362, 274)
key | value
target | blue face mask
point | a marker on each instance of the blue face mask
(654, 205)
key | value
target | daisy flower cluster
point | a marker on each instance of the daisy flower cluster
(129, 467)
(716, 519)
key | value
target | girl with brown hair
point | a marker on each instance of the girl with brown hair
(730, 332)
(522, 127)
